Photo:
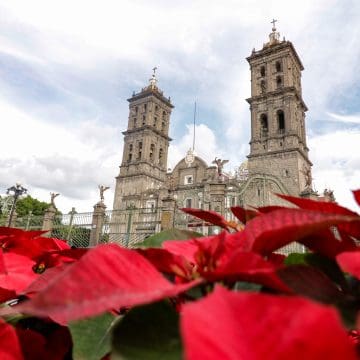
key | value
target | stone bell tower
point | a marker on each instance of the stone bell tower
(146, 142)
(278, 140)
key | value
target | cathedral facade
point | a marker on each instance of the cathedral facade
(278, 160)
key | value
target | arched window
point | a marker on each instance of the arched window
(164, 115)
(136, 110)
(145, 107)
(278, 66)
(262, 71)
(264, 125)
(155, 121)
(281, 121)
(144, 120)
(134, 122)
(279, 82)
(163, 126)
(130, 152)
(156, 108)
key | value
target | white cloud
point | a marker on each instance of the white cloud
(337, 164)
(354, 118)
(200, 48)
(48, 157)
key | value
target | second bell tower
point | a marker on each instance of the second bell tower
(278, 139)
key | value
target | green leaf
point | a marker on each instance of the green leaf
(91, 336)
(150, 332)
(156, 240)
(295, 259)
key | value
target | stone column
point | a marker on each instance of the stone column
(97, 223)
(217, 197)
(168, 213)
(48, 221)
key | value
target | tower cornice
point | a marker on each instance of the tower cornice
(271, 95)
(273, 49)
(148, 91)
(143, 128)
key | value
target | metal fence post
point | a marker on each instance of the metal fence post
(28, 220)
(72, 213)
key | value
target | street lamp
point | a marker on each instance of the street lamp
(18, 190)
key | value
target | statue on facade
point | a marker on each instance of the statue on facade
(52, 198)
(329, 195)
(220, 164)
(102, 189)
(308, 177)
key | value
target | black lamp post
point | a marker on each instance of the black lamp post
(18, 190)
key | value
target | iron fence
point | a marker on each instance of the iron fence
(125, 227)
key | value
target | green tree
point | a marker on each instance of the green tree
(26, 204)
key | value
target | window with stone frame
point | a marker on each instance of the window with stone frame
(188, 203)
(281, 121)
(152, 151)
(262, 71)
(263, 86)
(139, 150)
(188, 179)
(278, 66)
(130, 152)
(264, 126)
(161, 156)
(279, 82)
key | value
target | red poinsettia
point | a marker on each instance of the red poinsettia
(228, 325)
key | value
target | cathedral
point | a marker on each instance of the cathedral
(278, 160)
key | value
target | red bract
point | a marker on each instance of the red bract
(28, 243)
(9, 343)
(17, 272)
(55, 258)
(209, 216)
(357, 196)
(351, 229)
(168, 263)
(350, 262)
(271, 231)
(247, 266)
(215, 258)
(231, 326)
(244, 215)
(106, 277)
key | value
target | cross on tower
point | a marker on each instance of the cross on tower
(273, 22)
(154, 69)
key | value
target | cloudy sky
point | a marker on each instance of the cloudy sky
(67, 68)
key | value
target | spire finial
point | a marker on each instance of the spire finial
(273, 23)
(274, 35)
(153, 79)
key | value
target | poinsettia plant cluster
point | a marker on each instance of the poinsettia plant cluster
(226, 296)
